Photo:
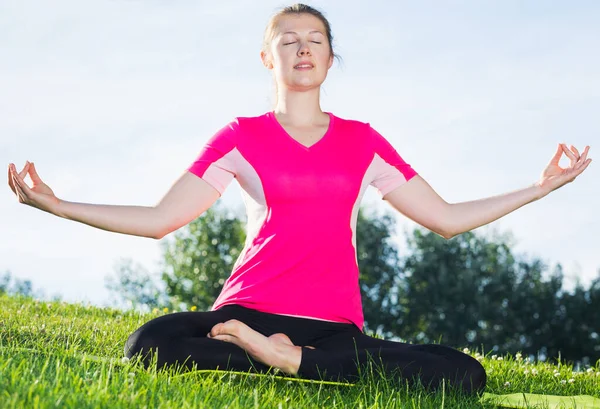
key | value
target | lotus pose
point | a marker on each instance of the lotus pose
(292, 301)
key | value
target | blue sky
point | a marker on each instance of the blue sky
(112, 100)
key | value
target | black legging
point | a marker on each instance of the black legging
(181, 338)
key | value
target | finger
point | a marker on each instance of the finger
(579, 170)
(17, 177)
(33, 174)
(557, 155)
(586, 164)
(582, 158)
(23, 173)
(569, 153)
(21, 184)
(10, 181)
(574, 149)
(19, 191)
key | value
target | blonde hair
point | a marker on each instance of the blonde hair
(295, 9)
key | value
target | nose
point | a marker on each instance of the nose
(304, 49)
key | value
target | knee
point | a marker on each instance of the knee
(141, 343)
(475, 377)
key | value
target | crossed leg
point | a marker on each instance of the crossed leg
(276, 350)
(211, 340)
(345, 355)
(183, 338)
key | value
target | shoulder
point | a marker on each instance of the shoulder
(353, 129)
(356, 129)
(241, 125)
(252, 121)
(350, 124)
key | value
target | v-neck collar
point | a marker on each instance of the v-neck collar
(271, 114)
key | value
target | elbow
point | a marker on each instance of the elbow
(446, 229)
(442, 231)
(161, 225)
(159, 235)
(441, 227)
(447, 235)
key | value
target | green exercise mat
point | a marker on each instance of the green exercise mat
(528, 400)
(513, 400)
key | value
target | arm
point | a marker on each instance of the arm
(189, 197)
(417, 200)
(133, 220)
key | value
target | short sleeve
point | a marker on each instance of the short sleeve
(215, 163)
(389, 170)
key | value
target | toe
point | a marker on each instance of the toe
(234, 327)
(280, 337)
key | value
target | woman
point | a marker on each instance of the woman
(288, 304)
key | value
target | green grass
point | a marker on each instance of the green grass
(55, 354)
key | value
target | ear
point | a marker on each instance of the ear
(330, 61)
(266, 60)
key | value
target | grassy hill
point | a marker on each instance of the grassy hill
(55, 354)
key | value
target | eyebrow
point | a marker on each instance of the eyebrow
(293, 32)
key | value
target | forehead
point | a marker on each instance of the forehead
(302, 23)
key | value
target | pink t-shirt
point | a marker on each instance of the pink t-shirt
(302, 203)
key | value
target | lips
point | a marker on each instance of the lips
(308, 63)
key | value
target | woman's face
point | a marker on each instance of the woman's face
(299, 38)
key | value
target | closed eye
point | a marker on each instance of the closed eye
(316, 42)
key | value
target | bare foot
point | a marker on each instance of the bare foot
(281, 337)
(276, 350)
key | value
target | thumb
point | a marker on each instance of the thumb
(33, 174)
(556, 158)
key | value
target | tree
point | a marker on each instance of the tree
(452, 291)
(136, 287)
(15, 286)
(201, 257)
(378, 264)
(472, 291)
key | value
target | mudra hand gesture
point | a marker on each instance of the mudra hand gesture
(39, 195)
(554, 177)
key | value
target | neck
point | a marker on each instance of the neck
(300, 108)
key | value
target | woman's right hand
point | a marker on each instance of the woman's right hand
(39, 196)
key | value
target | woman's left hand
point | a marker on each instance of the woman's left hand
(554, 177)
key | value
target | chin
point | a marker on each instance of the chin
(305, 84)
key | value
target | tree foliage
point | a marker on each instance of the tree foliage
(379, 268)
(200, 257)
(136, 287)
(472, 291)
(16, 286)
